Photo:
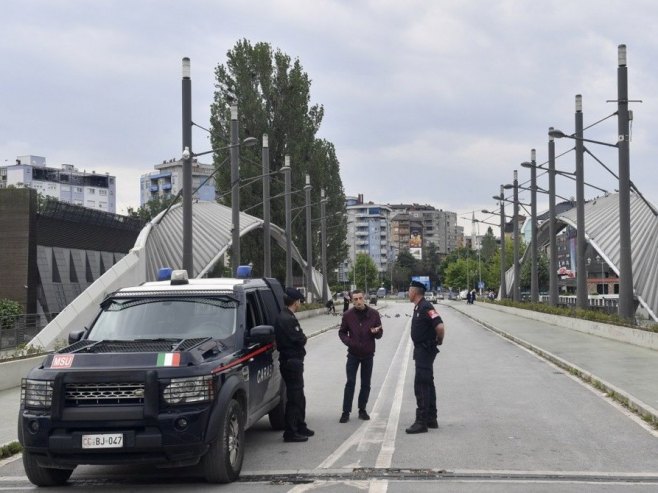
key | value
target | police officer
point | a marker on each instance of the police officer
(290, 341)
(427, 332)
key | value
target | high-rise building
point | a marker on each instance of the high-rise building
(67, 184)
(415, 227)
(167, 181)
(368, 231)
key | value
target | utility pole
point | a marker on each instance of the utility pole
(582, 300)
(267, 240)
(235, 190)
(188, 259)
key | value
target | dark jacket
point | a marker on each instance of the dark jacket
(290, 339)
(355, 331)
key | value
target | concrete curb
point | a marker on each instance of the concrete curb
(631, 402)
(629, 335)
(12, 371)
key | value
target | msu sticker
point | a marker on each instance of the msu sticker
(62, 361)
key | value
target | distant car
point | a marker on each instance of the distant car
(372, 298)
(430, 296)
(440, 296)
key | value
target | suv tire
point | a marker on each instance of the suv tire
(223, 461)
(44, 476)
(277, 415)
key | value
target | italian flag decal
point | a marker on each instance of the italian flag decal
(168, 359)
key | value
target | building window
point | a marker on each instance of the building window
(91, 203)
(91, 191)
(102, 192)
(78, 190)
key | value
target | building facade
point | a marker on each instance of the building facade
(167, 181)
(67, 184)
(415, 227)
(368, 231)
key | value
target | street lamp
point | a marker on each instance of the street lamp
(534, 282)
(287, 189)
(503, 260)
(309, 246)
(626, 298)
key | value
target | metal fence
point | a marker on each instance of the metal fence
(16, 331)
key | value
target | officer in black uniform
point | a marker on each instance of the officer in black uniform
(427, 333)
(290, 341)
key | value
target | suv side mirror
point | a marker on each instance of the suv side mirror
(261, 334)
(75, 336)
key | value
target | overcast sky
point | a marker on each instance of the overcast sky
(427, 101)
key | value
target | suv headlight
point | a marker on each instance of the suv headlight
(37, 394)
(189, 389)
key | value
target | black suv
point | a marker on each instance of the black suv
(169, 373)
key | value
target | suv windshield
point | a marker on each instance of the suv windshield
(167, 318)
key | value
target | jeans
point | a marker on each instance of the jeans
(351, 368)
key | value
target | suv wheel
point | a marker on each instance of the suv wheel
(223, 461)
(44, 476)
(278, 414)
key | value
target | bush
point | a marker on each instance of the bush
(9, 310)
(592, 315)
(10, 449)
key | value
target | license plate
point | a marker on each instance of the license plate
(103, 440)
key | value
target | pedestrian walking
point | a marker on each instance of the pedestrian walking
(360, 326)
(290, 341)
(346, 301)
(427, 332)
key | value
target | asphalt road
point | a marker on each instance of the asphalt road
(509, 421)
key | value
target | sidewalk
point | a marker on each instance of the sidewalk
(616, 367)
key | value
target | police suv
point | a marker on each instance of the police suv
(169, 373)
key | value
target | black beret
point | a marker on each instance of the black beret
(416, 284)
(294, 294)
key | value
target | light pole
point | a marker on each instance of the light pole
(287, 189)
(582, 296)
(235, 190)
(534, 281)
(309, 240)
(503, 260)
(323, 244)
(552, 264)
(188, 260)
(267, 240)
(626, 300)
(517, 273)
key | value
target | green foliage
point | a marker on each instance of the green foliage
(405, 266)
(273, 96)
(365, 270)
(10, 449)
(151, 209)
(543, 276)
(489, 246)
(9, 311)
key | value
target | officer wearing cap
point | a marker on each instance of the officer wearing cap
(290, 341)
(427, 333)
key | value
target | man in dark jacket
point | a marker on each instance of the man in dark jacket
(360, 326)
(290, 341)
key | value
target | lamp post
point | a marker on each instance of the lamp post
(267, 240)
(534, 281)
(503, 260)
(517, 286)
(287, 188)
(309, 240)
(552, 264)
(235, 191)
(626, 301)
(581, 243)
(323, 244)
(188, 261)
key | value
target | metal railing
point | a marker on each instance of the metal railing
(19, 330)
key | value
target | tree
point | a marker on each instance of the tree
(364, 275)
(151, 209)
(489, 246)
(431, 264)
(273, 97)
(405, 266)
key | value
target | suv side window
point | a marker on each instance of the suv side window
(269, 305)
(254, 313)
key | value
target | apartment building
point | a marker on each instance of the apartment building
(167, 180)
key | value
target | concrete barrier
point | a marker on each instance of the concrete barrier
(12, 371)
(629, 335)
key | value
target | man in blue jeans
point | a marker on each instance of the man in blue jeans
(360, 326)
